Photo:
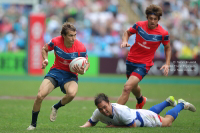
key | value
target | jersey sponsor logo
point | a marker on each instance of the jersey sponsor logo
(143, 46)
(64, 62)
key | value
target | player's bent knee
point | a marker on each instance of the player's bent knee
(138, 87)
(39, 97)
(166, 124)
(169, 125)
(127, 89)
(71, 92)
(72, 95)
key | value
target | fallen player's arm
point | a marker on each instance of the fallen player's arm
(133, 125)
(87, 124)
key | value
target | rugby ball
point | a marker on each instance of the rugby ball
(81, 61)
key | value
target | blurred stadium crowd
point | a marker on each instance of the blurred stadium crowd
(100, 24)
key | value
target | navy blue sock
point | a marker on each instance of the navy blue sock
(58, 105)
(139, 100)
(159, 107)
(176, 110)
(34, 118)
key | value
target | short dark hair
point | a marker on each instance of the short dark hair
(66, 27)
(101, 97)
(155, 10)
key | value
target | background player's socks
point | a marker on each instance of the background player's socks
(159, 107)
(34, 118)
(176, 110)
(58, 105)
(139, 100)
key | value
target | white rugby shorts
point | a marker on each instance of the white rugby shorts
(150, 118)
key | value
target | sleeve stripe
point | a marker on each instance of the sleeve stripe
(166, 38)
(51, 44)
(130, 123)
(133, 29)
(93, 123)
(134, 26)
(83, 54)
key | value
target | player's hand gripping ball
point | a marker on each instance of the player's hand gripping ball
(81, 61)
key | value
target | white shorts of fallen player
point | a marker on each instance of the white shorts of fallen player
(150, 118)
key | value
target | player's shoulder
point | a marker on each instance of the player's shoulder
(79, 45)
(96, 112)
(77, 42)
(162, 30)
(119, 106)
(121, 110)
(57, 39)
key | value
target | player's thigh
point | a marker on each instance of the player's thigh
(132, 81)
(167, 120)
(71, 87)
(45, 88)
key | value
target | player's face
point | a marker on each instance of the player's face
(70, 37)
(105, 108)
(152, 21)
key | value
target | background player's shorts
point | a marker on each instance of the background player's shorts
(138, 70)
(62, 77)
(150, 118)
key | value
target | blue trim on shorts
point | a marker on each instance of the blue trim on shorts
(137, 68)
(140, 119)
(62, 77)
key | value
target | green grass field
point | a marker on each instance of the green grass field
(15, 114)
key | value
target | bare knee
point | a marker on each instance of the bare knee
(72, 94)
(138, 88)
(39, 97)
(167, 124)
(167, 121)
(127, 89)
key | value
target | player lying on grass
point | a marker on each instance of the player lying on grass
(66, 47)
(116, 115)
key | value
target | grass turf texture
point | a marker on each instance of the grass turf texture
(16, 114)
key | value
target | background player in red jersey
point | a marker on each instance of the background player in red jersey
(66, 48)
(149, 35)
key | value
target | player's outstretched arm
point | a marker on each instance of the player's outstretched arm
(44, 56)
(125, 38)
(168, 58)
(87, 124)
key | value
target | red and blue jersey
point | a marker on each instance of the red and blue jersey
(64, 55)
(146, 43)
